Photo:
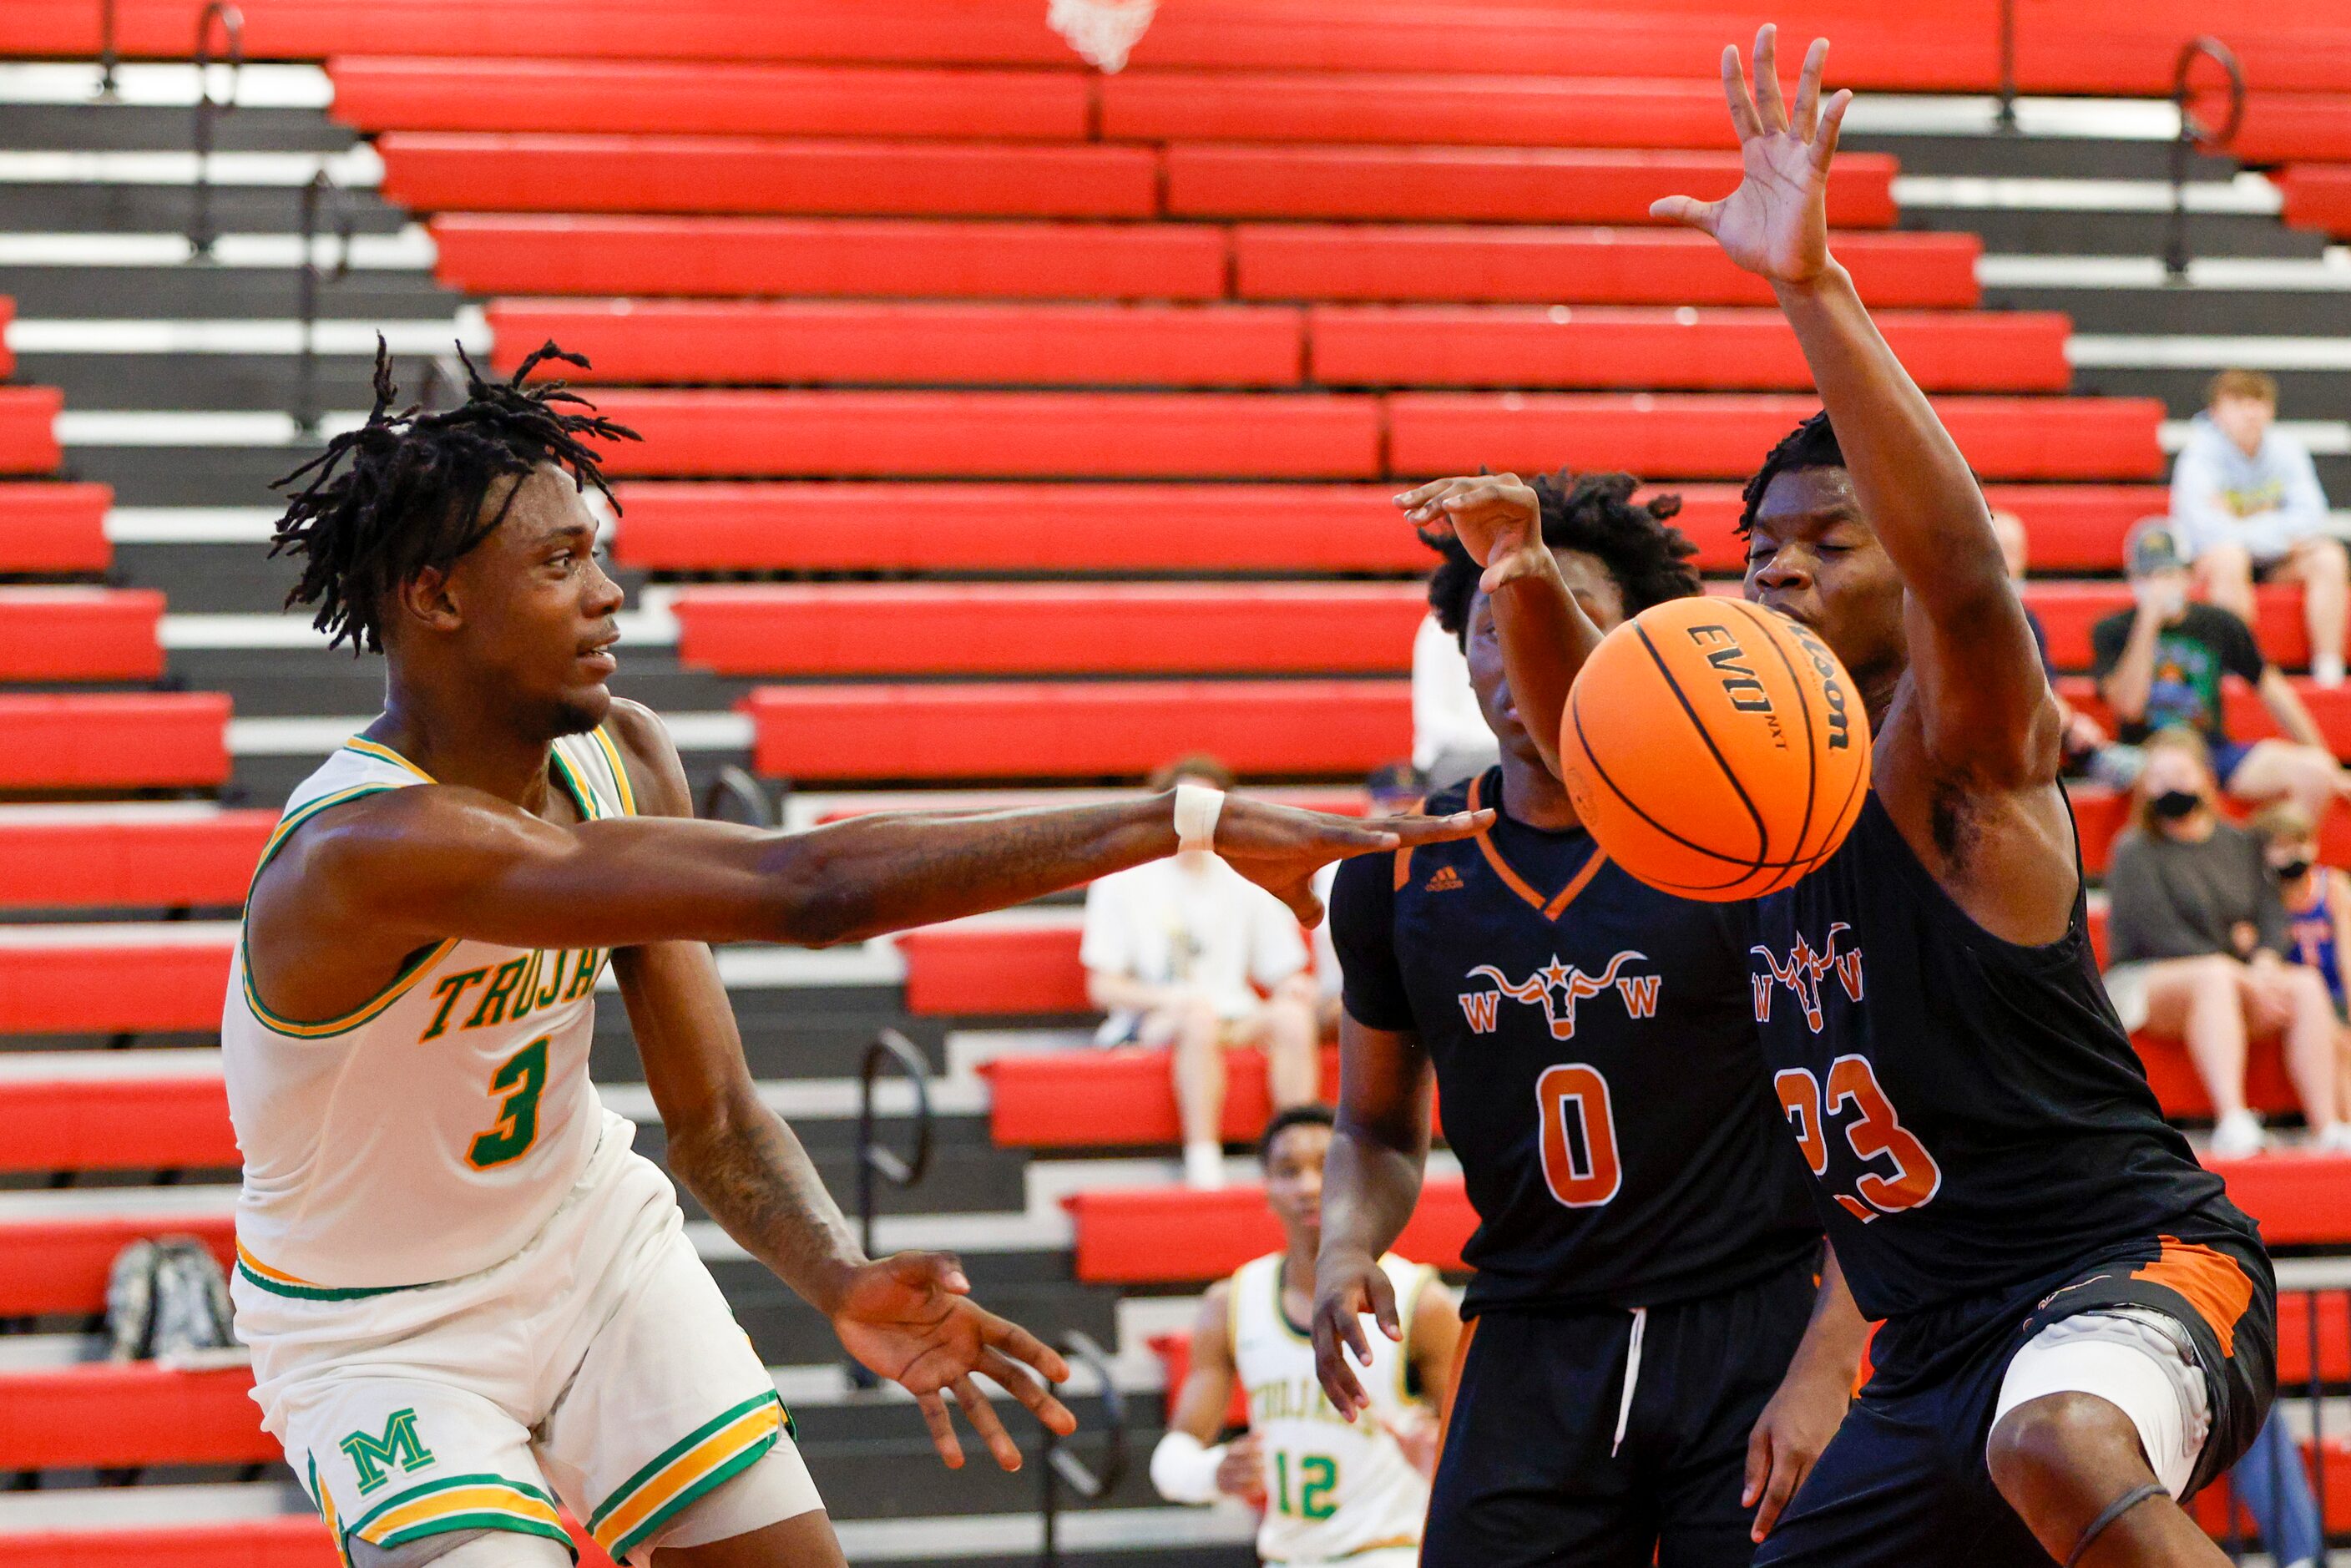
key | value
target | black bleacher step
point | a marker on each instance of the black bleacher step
(1034, 1289)
(903, 1478)
(211, 382)
(188, 292)
(188, 476)
(888, 1417)
(2302, 394)
(2043, 232)
(1159, 1554)
(165, 209)
(1992, 155)
(967, 1175)
(799, 1032)
(2167, 312)
(141, 127)
(213, 579)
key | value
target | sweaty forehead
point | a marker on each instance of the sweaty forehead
(546, 505)
(1816, 496)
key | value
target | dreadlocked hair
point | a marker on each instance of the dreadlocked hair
(1811, 444)
(1594, 513)
(405, 491)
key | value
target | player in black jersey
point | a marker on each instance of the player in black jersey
(1647, 1262)
(2079, 1327)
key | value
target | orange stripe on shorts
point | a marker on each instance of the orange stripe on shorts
(2213, 1283)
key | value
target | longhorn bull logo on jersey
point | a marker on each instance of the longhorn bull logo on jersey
(1802, 972)
(1567, 984)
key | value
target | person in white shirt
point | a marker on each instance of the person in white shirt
(2247, 502)
(1187, 953)
(1449, 738)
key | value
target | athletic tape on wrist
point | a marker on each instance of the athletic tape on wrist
(1196, 810)
(1184, 1469)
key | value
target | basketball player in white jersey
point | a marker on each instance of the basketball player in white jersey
(1332, 1491)
(467, 1299)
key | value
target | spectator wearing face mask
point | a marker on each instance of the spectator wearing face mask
(2197, 943)
(2317, 900)
(2163, 663)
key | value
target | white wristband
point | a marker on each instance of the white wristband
(1196, 810)
(1184, 1469)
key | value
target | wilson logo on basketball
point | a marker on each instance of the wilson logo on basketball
(1831, 676)
(1740, 684)
(1557, 987)
(1803, 971)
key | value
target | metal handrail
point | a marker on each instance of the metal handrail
(887, 1048)
(2174, 250)
(733, 783)
(2005, 122)
(307, 412)
(200, 233)
(1061, 1468)
(109, 56)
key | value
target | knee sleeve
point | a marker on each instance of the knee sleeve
(465, 1549)
(2135, 1359)
(775, 1488)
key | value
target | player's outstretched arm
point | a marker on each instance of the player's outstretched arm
(908, 1317)
(1371, 1181)
(1985, 708)
(1546, 637)
(416, 865)
(1805, 1412)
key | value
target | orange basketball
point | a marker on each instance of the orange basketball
(1716, 749)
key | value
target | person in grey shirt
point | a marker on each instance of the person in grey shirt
(2196, 938)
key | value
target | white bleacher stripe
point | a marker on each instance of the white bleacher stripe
(355, 169)
(803, 1099)
(409, 250)
(164, 427)
(2267, 273)
(649, 628)
(53, 813)
(2247, 193)
(118, 934)
(2157, 352)
(2324, 438)
(157, 85)
(77, 335)
(106, 1066)
(192, 525)
(1956, 114)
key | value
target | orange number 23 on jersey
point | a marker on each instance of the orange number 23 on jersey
(1874, 1131)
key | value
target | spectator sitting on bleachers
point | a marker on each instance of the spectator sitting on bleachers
(2161, 664)
(2317, 900)
(1392, 791)
(2197, 939)
(1171, 950)
(2088, 749)
(1449, 738)
(2246, 500)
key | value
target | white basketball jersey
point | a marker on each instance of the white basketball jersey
(1333, 1490)
(431, 1133)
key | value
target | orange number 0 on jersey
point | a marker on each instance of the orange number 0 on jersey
(1875, 1131)
(1580, 1165)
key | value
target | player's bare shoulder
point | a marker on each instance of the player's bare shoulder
(655, 771)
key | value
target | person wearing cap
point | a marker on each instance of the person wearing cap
(2246, 500)
(2162, 662)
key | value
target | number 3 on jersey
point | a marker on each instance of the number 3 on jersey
(1579, 1136)
(509, 1138)
(1874, 1131)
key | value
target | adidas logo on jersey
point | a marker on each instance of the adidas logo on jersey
(1556, 988)
(1446, 881)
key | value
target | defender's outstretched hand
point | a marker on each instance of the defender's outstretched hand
(910, 1319)
(1281, 847)
(1776, 222)
(1496, 517)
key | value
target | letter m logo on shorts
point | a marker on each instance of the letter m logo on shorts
(375, 1458)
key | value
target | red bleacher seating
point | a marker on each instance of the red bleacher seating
(141, 1414)
(96, 862)
(2291, 127)
(80, 635)
(175, 1122)
(1424, 110)
(2068, 610)
(1516, 265)
(105, 741)
(2293, 1325)
(1491, 185)
(1166, 1235)
(2210, 1507)
(284, 1540)
(458, 171)
(59, 979)
(2318, 196)
(2242, 709)
(1010, 528)
(1080, 729)
(982, 967)
(620, 96)
(484, 253)
(2073, 528)
(882, 345)
(58, 1266)
(53, 529)
(990, 434)
(1446, 346)
(29, 441)
(1725, 437)
(2180, 1091)
(1118, 1097)
(912, 629)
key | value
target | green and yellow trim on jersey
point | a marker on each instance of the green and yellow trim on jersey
(325, 1501)
(383, 753)
(460, 1502)
(620, 766)
(709, 1455)
(278, 1283)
